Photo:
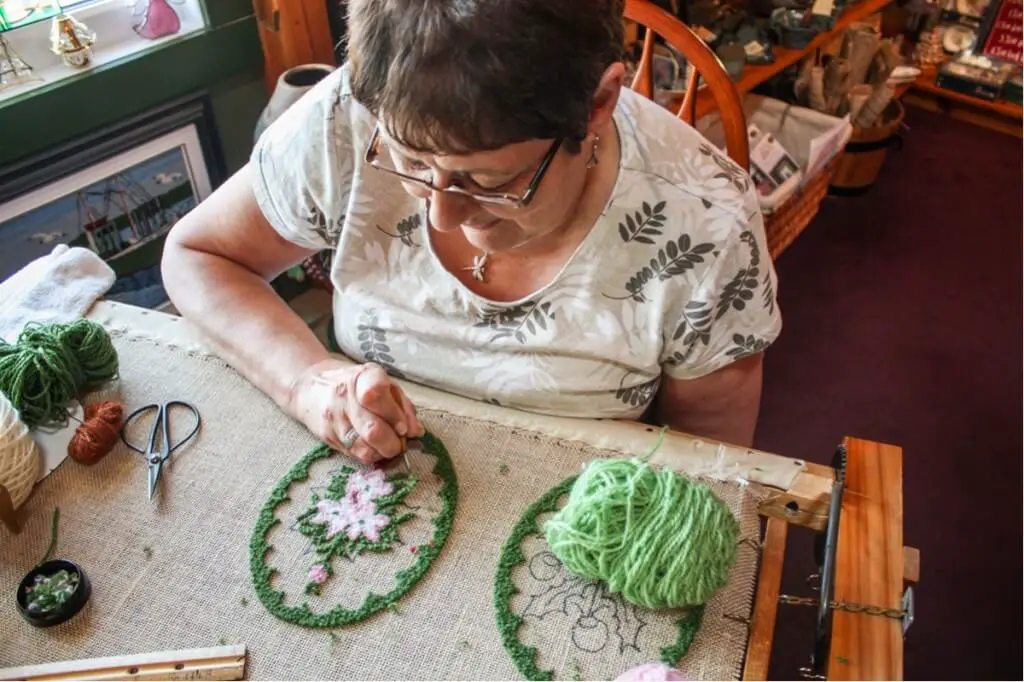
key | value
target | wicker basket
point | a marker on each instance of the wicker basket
(786, 223)
(317, 269)
(795, 128)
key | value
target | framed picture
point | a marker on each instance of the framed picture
(116, 192)
(1002, 31)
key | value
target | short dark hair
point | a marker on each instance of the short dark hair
(462, 76)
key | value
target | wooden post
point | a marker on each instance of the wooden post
(869, 565)
(292, 33)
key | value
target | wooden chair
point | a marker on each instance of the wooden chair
(706, 64)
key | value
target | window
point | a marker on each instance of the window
(111, 29)
(18, 13)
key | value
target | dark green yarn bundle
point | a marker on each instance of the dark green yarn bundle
(50, 364)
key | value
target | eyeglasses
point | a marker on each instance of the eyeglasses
(373, 158)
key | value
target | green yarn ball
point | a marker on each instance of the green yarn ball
(654, 536)
(50, 364)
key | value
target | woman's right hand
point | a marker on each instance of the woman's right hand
(333, 397)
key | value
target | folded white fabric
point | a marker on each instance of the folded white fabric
(58, 287)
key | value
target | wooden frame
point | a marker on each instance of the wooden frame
(872, 565)
(706, 65)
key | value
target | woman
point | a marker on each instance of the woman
(509, 223)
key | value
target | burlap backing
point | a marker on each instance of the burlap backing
(174, 573)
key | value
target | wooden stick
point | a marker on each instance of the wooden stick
(213, 663)
(766, 604)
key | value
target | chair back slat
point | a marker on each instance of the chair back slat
(705, 64)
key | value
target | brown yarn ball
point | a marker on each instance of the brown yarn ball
(98, 433)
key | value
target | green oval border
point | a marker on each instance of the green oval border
(525, 657)
(273, 599)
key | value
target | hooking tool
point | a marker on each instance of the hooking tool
(160, 434)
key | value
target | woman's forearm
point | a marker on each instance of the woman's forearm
(252, 328)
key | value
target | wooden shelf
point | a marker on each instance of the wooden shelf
(755, 74)
(926, 83)
(1005, 117)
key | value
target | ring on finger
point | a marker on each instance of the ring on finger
(350, 438)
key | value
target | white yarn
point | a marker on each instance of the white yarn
(19, 454)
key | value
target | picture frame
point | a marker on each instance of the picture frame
(1001, 30)
(117, 192)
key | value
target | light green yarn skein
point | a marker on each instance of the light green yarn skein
(653, 535)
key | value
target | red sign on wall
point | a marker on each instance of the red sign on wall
(1006, 38)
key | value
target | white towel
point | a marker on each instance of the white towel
(58, 287)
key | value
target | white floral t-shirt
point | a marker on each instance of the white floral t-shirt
(674, 279)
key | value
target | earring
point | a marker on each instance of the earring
(592, 161)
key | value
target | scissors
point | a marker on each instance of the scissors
(160, 433)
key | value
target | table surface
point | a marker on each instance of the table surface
(199, 525)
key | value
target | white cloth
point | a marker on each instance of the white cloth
(674, 279)
(58, 287)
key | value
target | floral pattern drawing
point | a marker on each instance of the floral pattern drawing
(598, 618)
(672, 281)
(359, 511)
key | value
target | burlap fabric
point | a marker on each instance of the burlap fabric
(174, 573)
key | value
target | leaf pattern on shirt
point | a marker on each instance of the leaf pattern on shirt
(328, 229)
(746, 346)
(696, 324)
(740, 289)
(373, 343)
(639, 394)
(675, 258)
(728, 170)
(528, 317)
(406, 230)
(693, 329)
(768, 296)
(640, 228)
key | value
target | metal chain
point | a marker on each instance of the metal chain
(897, 614)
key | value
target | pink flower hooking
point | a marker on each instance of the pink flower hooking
(160, 20)
(650, 672)
(367, 523)
(366, 486)
(317, 574)
(336, 514)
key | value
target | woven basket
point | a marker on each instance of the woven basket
(794, 127)
(786, 222)
(318, 269)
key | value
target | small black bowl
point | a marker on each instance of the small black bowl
(66, 610)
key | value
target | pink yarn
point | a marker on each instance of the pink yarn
(651, 672)
(160, 20)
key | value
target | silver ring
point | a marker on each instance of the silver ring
(350, 438)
